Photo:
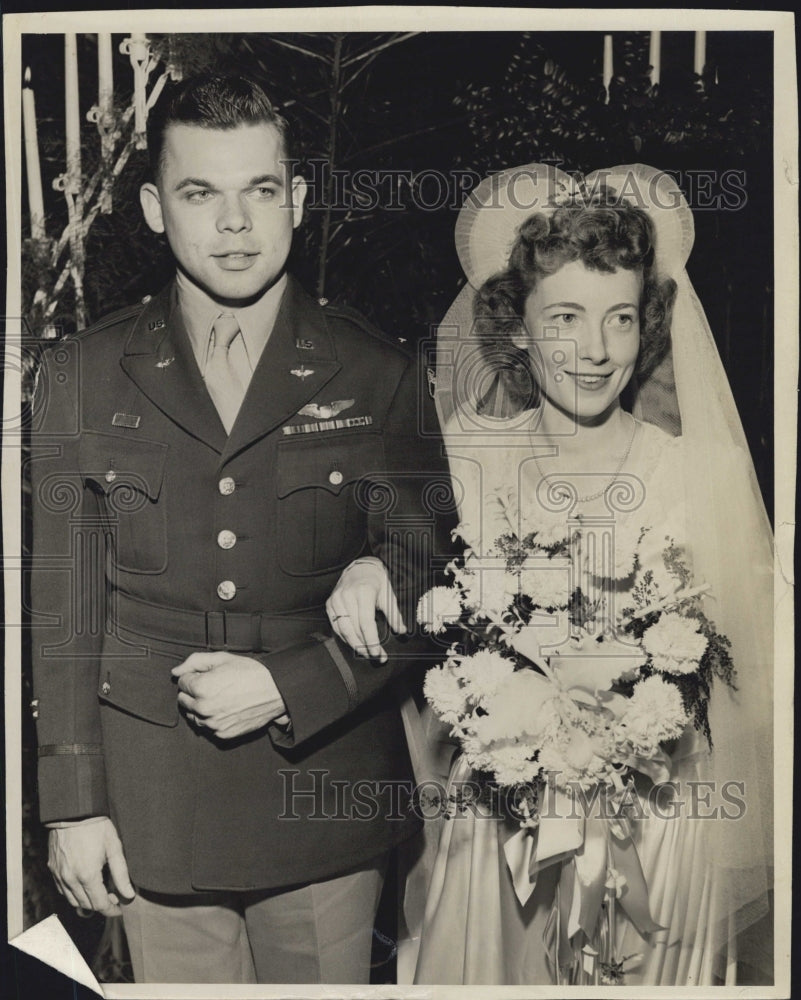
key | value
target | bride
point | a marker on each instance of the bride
(584, 406)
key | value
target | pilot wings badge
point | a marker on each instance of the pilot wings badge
(326, 411)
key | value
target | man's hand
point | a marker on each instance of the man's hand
(227, 694)
(362, 589)
(76, 857)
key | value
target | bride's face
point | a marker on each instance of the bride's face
(583, 333)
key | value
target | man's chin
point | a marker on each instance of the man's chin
(239, 289)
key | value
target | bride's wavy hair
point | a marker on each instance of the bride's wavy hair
(605, 235)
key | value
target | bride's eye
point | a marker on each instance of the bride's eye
(624, 320)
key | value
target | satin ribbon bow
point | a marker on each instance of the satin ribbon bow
(588, 847)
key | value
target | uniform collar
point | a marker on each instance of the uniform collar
(298, 360)
(256, 321)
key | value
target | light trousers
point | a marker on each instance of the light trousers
(318, 933)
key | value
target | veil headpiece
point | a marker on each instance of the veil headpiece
(729, 536)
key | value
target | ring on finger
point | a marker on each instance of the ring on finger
(337, 617)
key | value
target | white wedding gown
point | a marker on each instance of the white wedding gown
(474, 929)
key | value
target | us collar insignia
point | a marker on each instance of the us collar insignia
(301, 373)
(325, 411)
(304, 345)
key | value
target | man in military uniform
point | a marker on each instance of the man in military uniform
(204, 467)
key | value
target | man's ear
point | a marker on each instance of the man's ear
(150, 200)
(299, 189)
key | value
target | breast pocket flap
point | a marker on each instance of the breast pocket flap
(327, 463)
(114, 463)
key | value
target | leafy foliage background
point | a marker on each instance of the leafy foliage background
(425, 103)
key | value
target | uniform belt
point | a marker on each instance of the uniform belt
(233, 630)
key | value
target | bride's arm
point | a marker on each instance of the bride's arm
(362, 589)
(364, 586)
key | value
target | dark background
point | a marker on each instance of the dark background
(435, 101)
(469, 101)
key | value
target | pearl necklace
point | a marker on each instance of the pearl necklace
(606, 486)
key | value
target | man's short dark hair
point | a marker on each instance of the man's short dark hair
(212, 100)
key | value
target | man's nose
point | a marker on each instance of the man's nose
(592, 344)
(234, 216)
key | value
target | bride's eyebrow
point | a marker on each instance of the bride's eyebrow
(622, 305)
(566, 305)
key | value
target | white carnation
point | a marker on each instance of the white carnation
(483, 673)
(572, 756)
(493, 592)
(477, 752)
(521, 706)
(439, 607)
(654, 713)
(445, 694)
(546, 582)
(512, 764)
(675, 644)
(551, 526)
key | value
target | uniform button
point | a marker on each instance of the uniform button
(335, 477)
(146, 299)
(106, 688)
(226, 486)
(226, 539)
(111, 475)
(226, 590)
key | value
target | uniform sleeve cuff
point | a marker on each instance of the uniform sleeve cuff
(72, 786)
(317, 686)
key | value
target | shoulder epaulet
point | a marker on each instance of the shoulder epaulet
(113, 319)
(339, 311)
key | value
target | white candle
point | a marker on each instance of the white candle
(654, 55)
(33, 168)
(699, 60)
(105, 78)
(139, 52)
(608, 64)
(71, 103)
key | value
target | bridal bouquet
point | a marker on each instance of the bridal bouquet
(546, 679)
(579, 652)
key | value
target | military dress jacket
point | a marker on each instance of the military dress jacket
(156, 534)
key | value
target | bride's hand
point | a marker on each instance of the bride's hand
(362, 589)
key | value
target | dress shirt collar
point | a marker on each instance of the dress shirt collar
(256, 321)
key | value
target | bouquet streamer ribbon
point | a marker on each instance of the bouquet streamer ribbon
(587, 847)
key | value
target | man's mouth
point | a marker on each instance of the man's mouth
(235, 260)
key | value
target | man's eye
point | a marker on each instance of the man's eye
(265, 192)
(198, 196)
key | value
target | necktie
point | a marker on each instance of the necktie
(225, 385)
